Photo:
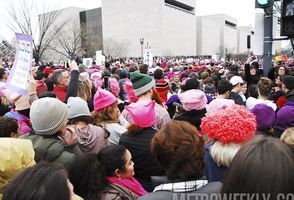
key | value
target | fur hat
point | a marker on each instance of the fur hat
(233, 124)
(193, 100)
(141, 83)
(77, 107)
(265, 116)
(103, 99)
(48, 115)
(142, 113)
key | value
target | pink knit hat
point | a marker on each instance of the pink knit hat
(193, 100)
(142, 113)
(103, 99)
(218, 104)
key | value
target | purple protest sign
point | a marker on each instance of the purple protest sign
(18, 77)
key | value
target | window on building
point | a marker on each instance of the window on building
(180, 5)
(230, 24)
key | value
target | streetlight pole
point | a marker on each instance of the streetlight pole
(142, 43)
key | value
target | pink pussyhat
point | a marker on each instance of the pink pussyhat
(142, 113)
(103, 99)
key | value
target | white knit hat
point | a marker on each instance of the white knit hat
(77, 107)
(48, 115)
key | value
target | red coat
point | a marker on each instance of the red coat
(60, 92)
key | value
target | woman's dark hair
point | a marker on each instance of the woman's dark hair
(47, 94)
(8, 126)
(264, 86)
(224, 86)
(2, 72)
(88, 177)
(43, 181)
(85, 119)
(113, 157)
(158, 74)
(40, 75)
(179, 150)
(192, 83)
(253, 91)
(262, 165)
(25, 112)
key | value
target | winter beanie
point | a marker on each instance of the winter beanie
(289, 82)
(193, 100)
(142, 113)
(103, 99)
(77, 107)
(48, 115)
(141, 83)
(265, 116)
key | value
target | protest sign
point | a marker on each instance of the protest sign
(87, 62)
(99, 58)
(18, 77)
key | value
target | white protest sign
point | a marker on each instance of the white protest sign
(148, 57)
(99, 58)
(18, 77)
(87, 62)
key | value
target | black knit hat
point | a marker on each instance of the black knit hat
(289, 82)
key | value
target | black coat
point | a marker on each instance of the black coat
(193, 117)
(290, 96)
(145, 165)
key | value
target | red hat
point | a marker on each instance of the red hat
(233, 124)
(48, 70)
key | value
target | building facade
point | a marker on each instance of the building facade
(168, 27)
(245, 39)
(91, 29)
(216, 34)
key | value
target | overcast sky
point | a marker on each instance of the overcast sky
(242, 10)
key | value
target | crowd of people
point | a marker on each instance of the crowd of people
(125, 130)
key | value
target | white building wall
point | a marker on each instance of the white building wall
(167, 30)
(243, 32)
(208, 36)
(178, 32)
(258, 41)
(215, 36)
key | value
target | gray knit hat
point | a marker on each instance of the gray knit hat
(77, 107)
(48, 115)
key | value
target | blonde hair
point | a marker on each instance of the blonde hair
(106, 115)
(223, 154)
(85, 89)
(4, 101)
(288, 137)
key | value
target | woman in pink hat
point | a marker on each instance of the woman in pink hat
(107, 115)
(194, 102)
(138, 139)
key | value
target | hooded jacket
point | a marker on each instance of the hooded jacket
(15, 156)
(91, 139)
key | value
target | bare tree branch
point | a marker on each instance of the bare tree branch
(24, 18)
